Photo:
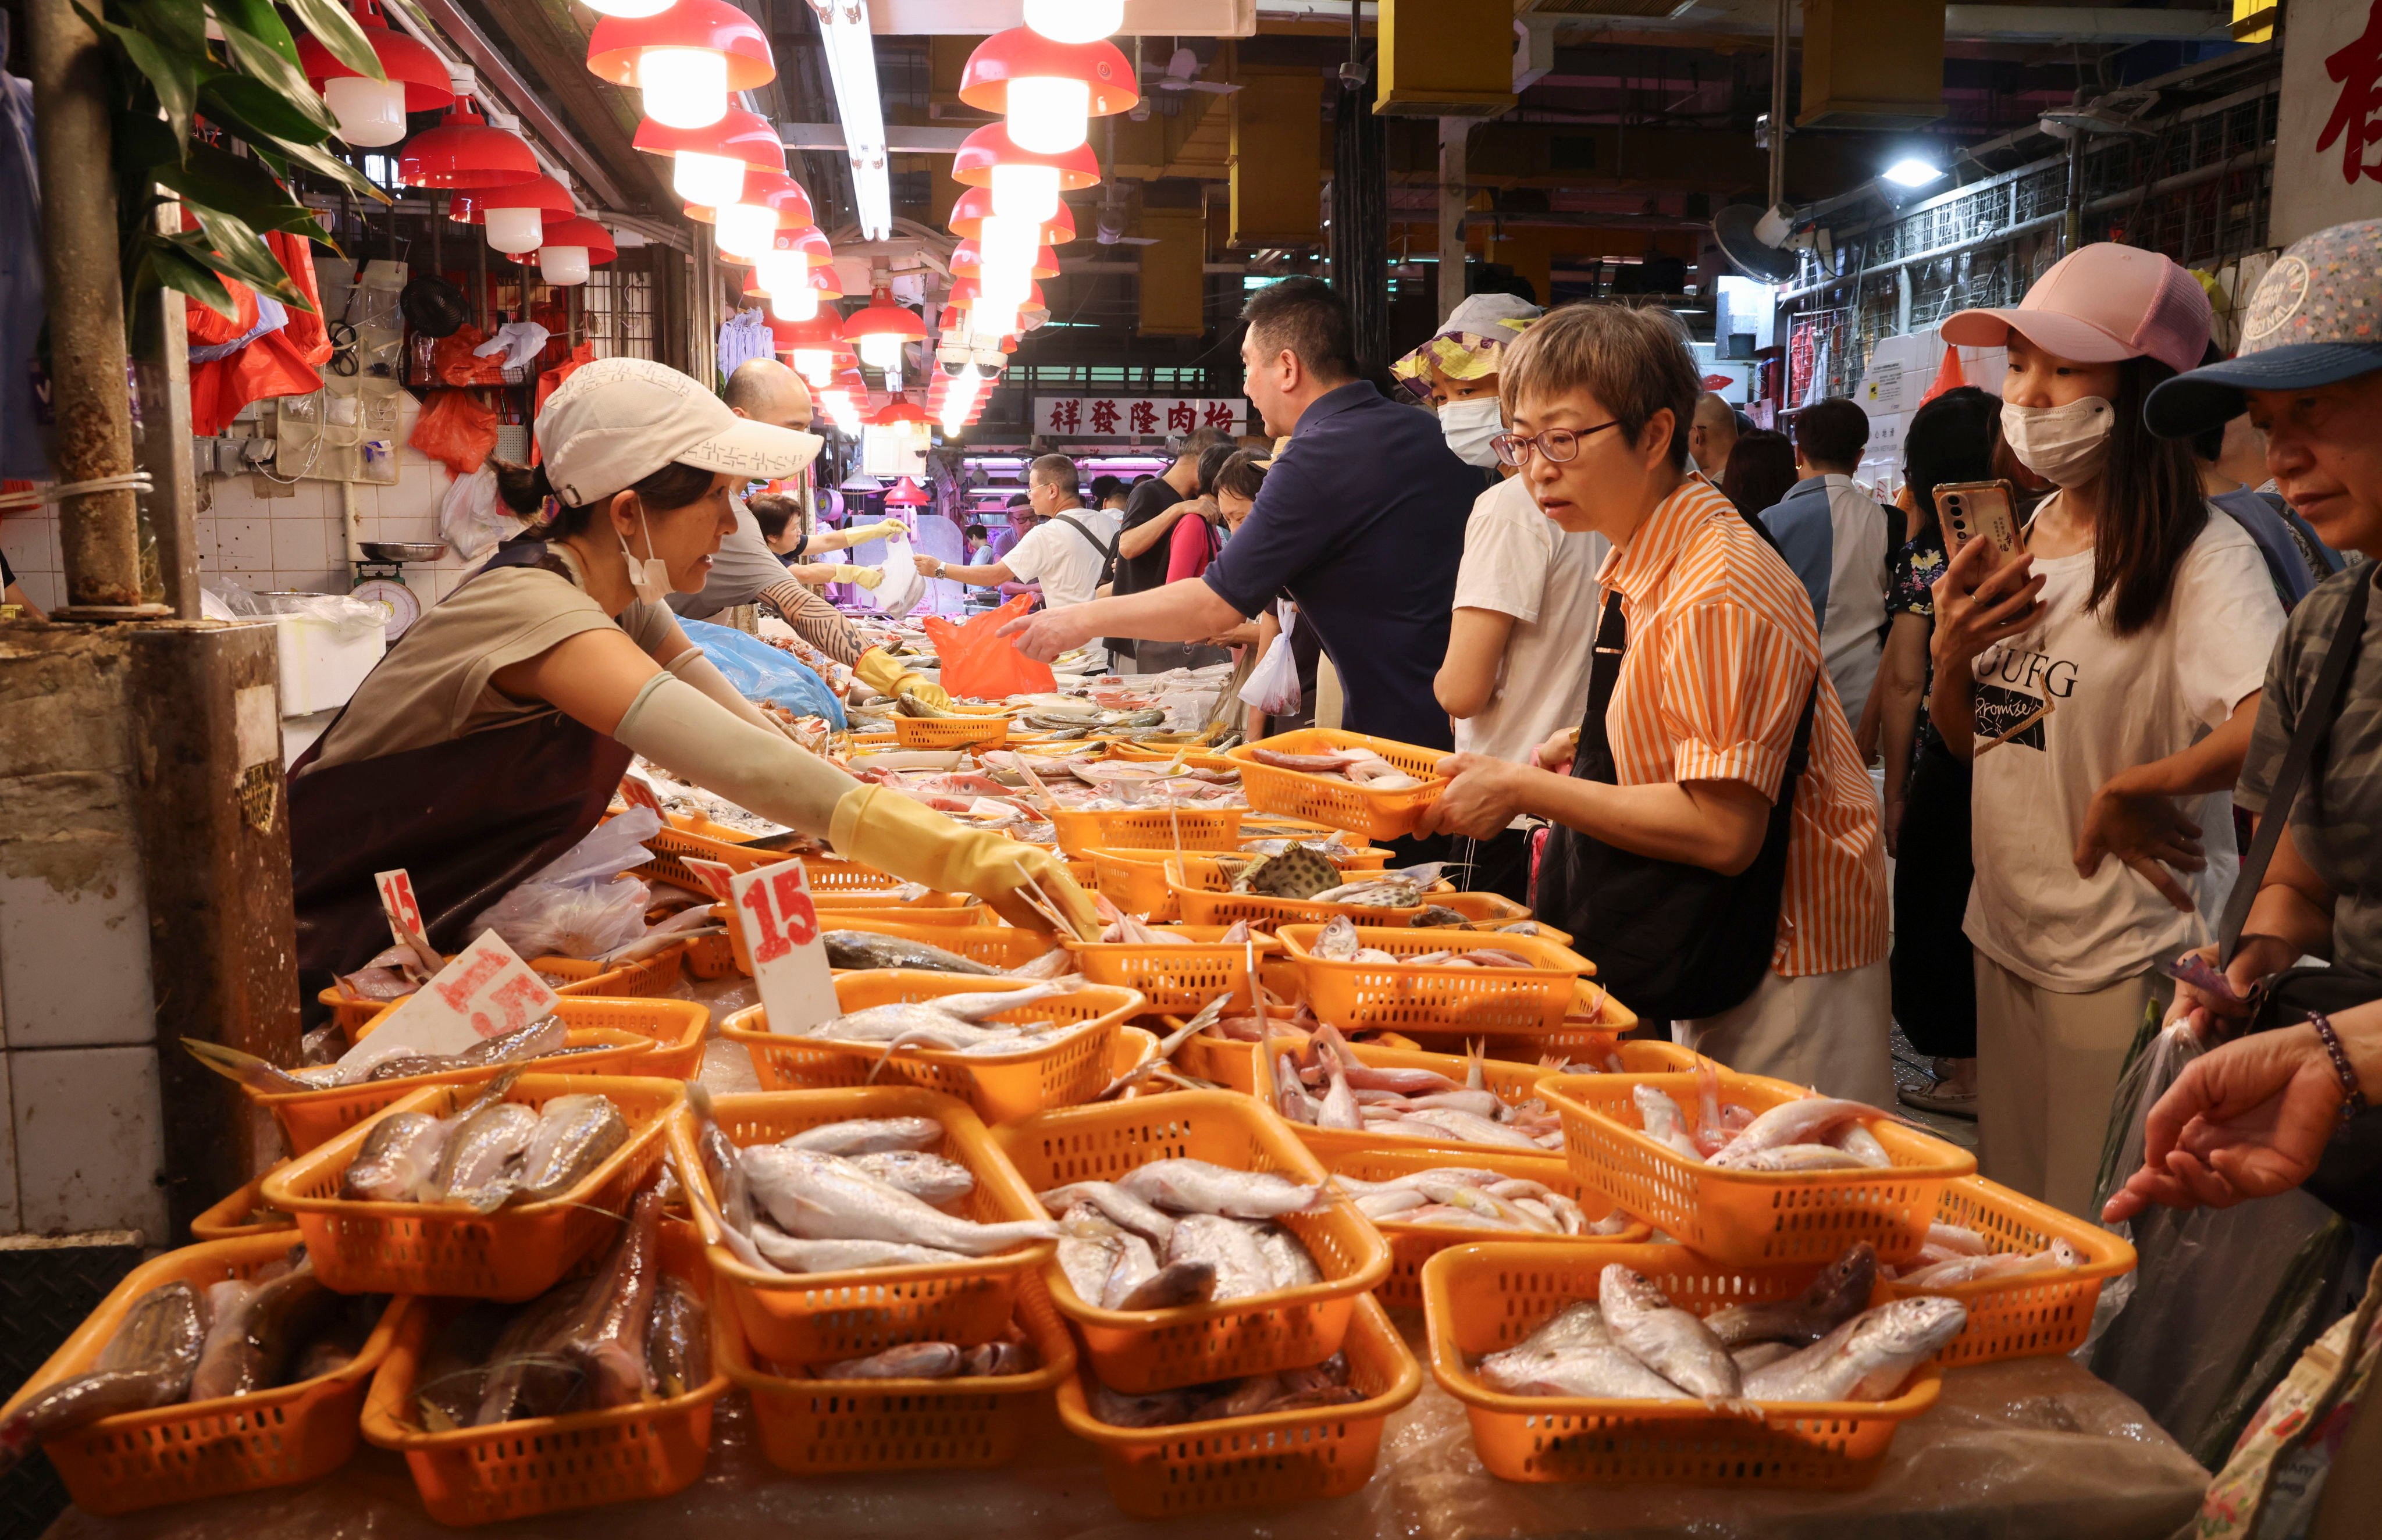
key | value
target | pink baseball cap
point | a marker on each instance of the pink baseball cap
(2099, 304)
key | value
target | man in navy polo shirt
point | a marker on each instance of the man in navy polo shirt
(1361, 522)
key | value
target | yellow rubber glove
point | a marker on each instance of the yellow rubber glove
(883, 530)
(883, 673)
(887, 830)
(867, 576)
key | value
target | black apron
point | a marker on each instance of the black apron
(468, 819)
(1673, 942)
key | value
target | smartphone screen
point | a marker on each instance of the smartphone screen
(1972, 509)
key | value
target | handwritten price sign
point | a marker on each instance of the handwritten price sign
(485, 991)
(637, 791)
(780, 925)
(397, 901)
(717, 876)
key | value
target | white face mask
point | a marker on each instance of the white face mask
(649, 578)
(1468, 426)
(2065, 446)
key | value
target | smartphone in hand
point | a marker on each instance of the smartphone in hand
(1974, 509)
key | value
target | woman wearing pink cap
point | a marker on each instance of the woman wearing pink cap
(2104, 682)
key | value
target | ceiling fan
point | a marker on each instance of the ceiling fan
(1182, 73)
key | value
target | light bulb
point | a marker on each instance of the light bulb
(797, 303)
(706, 181)
(685, 88)
(992, 320)
(743, 229)
(880, 351)
(1049, 113)
(1006, 241)
(814, 364)
(775, 272)
(1005, 289)
(1070, 20)
(630, 10)
(513, 231)
(370, 113)
(1027, 193)
(562, 265)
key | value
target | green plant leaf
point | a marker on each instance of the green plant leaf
(322, 164)
(337, 32)
(240, 252)
(144, 142)
(268, 55)
(255, 111)
(166, 264)
(227, 183)
(180, 26)
(173, 78)
(258, 20)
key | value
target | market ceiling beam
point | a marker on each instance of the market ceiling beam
(1142, 17)
(593, 138)
(900, 139)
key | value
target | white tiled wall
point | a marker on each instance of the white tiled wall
(288, 541)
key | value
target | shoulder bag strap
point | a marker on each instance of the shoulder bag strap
(1108, 551)
(2315, 722)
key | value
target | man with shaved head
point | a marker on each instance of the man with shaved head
(746, 571)
(1711, 436)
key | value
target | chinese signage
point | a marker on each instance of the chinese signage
(1134, 416)
(2328, 135)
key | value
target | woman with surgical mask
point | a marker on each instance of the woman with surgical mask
(1516, 672)
(494, 734)
(2103, 684)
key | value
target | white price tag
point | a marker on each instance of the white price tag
(637, 791)
(717, 876)
(782, 931)
(485, 991)
(397, 901)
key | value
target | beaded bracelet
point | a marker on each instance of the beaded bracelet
(2353, 1099)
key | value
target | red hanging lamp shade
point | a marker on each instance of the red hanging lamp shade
(464, 152)
(906, 493)
(969, 209)
(964, 293)
(402, 60)
(878, 329)
(967, 262)
(580, 230)
(708, 164)
(991, 146)
(822, 282)
(821, 333)
(708, 26)
(898, 410)
(1021, 54)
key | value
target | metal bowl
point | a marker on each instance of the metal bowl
(402, 550)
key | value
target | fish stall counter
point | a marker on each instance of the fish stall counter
(2030, 1448)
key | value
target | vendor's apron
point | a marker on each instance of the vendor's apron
(468, 819)
(1671, 941)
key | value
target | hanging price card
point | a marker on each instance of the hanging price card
(782, 932)
(717, 876)
(397, 901)
(487, 992)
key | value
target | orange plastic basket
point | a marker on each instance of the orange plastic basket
(1411, 1245)
(1136, 882)
(950, 732)
(1749, 1218)
(1405, 997)
(1233, 1063)
(244, 1213)
(1279, 1457)
(658, 1038)
(645, 976)
(1000, 1087)
(713, 957)
(818, 1427)
(1139, 1350)
(2033, 1315)
(514, 1254)
(685, 835)
(802, 1318)
(1339, 803)
(1135, 1046)
(1148, 829)
(1482, 1297)
(1171, 977)
(995, 946)
(547, 1464)
(937, 911)
(209, 1449)
(1203, 894)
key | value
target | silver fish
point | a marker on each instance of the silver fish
(1669, 1340)
(482, 1153)
(1185, 1186)
(868, 949)
(1338, 939)
(930, 1179)
(1574, 1354)
(1856, 1141)
(1796, 1122)
(1867, 1358)
(1760, 1355)
(1798, 1157)
(1292, 1265)
(818, 1197)
(147, 1363)
(793, 1254)
(1662, 1121)
(1840, 1292)
(1114, 1204)
(1231, 1247)
(910, 1361)
(990, 1359)
(857, 1136)
(397, 1159)
(1134, 1265)
(1172, 1286)
(1087, 1250)
(574, 1135)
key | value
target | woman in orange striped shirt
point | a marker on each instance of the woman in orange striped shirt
(1716, 844)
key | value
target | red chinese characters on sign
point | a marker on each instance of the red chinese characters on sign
(1105, 416)
(1182, 417)
(2357, 68)
(1067, 416)
(1145, 418)
(1135, 417)
(1219, 414)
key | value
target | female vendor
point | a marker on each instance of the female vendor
(1716, 841)
(491, 738)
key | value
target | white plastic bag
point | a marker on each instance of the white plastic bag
(471, 518)
(581, 903)
(903, 587)
(1272, 686)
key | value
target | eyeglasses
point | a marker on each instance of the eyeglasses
(1558, 445)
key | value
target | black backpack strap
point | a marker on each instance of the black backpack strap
(1107, 550)
(2316, 715)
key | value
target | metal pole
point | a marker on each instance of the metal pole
(1778, 106)
(2071, 232)
(98, 531)
(1453, 133)
(162, 370)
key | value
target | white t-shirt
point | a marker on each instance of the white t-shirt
(1851, 638)
(1519, 562)
(1063, 562)
(2116, 702)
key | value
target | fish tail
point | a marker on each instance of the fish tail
(243, 1068)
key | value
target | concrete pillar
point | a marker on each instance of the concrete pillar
(1453, 132)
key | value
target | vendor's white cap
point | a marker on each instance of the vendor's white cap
(616, 422)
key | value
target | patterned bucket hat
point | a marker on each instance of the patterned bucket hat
(2317, 319)
(1470, 343)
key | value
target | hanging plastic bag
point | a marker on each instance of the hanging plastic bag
(456, 430)
(2249, 1287)
(761, 672)
(1272, 685)
(582, 904)
(471, 518)
(901, 588)
(982, 665)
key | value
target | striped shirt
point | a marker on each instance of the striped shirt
(1723, 652)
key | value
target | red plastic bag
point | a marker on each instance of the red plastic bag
(452, 361)
(456, 430)
(978, 664)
